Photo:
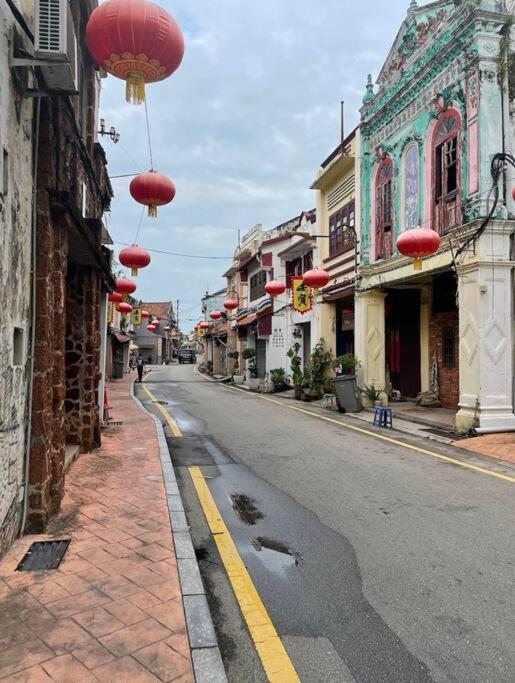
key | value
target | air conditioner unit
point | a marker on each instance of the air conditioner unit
(56, 45)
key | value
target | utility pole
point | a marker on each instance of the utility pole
(177, 314)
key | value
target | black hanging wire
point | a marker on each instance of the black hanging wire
(139, 226)
(148, 136)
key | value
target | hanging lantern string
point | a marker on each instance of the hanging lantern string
(148, 136)
(139, 226)
(173, 253)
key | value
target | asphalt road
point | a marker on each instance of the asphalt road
(375, 563)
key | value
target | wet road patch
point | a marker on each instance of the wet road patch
(245, 508)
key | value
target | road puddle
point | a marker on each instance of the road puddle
(276, 555)
(245, 508)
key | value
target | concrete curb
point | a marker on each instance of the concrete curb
(205, 653)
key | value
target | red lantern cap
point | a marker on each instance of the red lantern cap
(135, 40)
(275, 287)
(215, 315)
(144, 313)
(124, 307)
(230, 304)
(115, 297)
(134, 257)
(316, 278)
(204, 326)
(152, 189)
(417, 243)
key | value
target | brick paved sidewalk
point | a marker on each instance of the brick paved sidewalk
(500, 446)
(113, 610)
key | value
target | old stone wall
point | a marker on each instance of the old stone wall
(82, 349)
(16, 115)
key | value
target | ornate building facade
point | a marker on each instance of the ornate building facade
(444, 106)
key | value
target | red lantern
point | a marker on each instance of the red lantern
(215, 315)
(275, 287)
(151, 328)
(152, 189)
(230, 304)
(115, 297)
(124, 286)
(144, 313)
(124, 307)
(417, 243)
(204, 326)
(134, 257)
(134, 40)
(166, 328)
(315, 278)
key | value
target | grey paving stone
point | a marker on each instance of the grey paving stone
(179, 521)
(175, 503)
(208, 666)
(198, 619)
(183, 545)
(191, 581)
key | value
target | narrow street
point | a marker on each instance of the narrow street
(375, 562)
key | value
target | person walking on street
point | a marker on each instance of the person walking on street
(140, 366)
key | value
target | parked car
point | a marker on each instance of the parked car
(186, 356)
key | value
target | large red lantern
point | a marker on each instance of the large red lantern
(124, 307)
(152, 189)
(316, 278)
(417, 243)
(151, 328)
(230, 304)
(166, 328)
(215, 315)
(134, 40)
(144, 313)
(275, 287)
(204, 326)
(134, 257)
(115, 297)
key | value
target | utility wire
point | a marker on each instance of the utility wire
(148, 135)
(173, 253)
(139, 226)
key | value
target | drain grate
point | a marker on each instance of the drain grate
(43, 555)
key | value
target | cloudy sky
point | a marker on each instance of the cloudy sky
(241, 127)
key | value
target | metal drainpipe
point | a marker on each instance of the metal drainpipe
(33, 319)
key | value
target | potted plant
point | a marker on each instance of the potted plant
(278, 378)
(296, 365)
(348, 396)
(250, 356)
(236, 376)
(372, 394)
(319, 366)
(209, 366)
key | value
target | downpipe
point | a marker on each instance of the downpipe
(28, 436)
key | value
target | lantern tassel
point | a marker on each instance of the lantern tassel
(417, 264)
(135, 88)
(152, 211)
(134, 272)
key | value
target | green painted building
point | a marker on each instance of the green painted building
(442, 106)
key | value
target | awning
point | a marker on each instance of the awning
(246, 321)
(122, 338)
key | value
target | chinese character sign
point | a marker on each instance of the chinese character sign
(301, 295)
(136, 316)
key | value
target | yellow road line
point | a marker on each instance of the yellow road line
(389, 439)
(174, 428)
(274, 658)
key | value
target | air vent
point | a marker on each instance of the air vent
(50, 26)
(339, 193)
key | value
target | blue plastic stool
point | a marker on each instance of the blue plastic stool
(383, 417)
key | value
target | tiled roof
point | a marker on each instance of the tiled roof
(158, 309)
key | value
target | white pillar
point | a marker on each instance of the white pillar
(486, 334)
(369, 337)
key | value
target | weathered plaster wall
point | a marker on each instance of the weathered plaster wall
(15, 283)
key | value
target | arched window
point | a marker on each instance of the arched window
(384, 210)
(411, 187)
(446, 172)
